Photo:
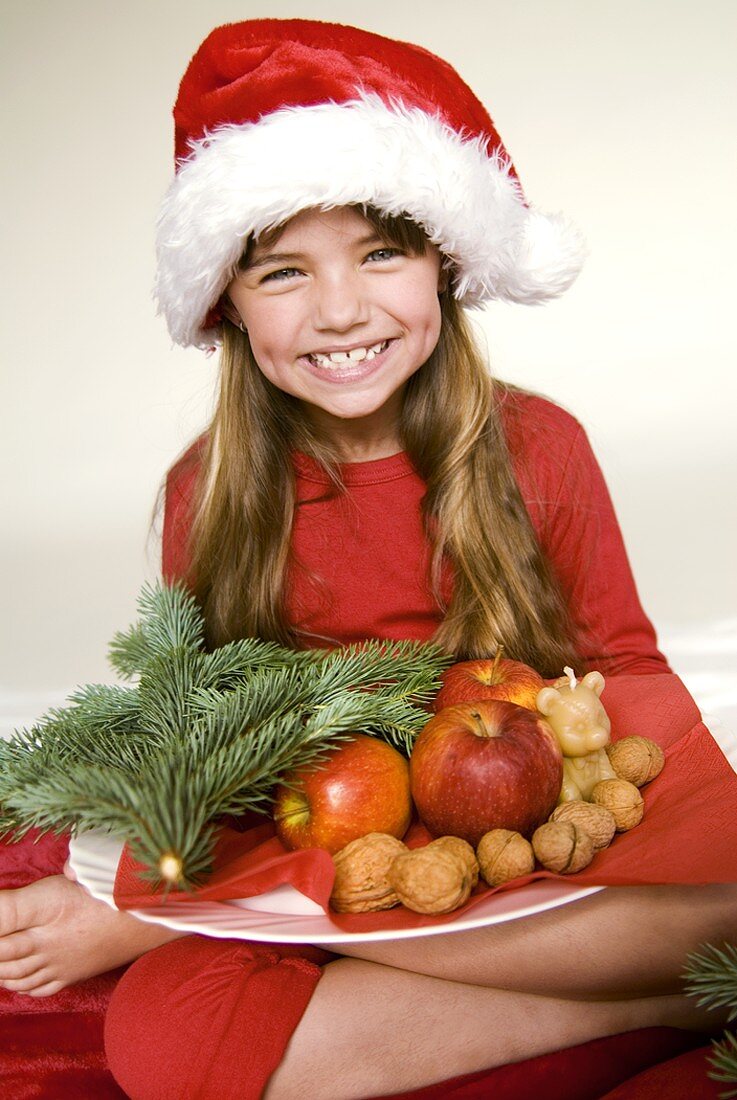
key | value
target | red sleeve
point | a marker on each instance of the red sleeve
(572, 511)
(181, 484)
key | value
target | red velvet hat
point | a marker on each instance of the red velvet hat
(277, 115)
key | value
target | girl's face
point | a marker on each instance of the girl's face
(338, 319)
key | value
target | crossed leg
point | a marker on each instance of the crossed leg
(408, 1013)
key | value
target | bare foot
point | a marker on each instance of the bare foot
(53, 933)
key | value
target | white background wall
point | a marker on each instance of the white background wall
(622, 114)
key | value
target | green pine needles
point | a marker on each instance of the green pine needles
(200, 735)
(711, 976)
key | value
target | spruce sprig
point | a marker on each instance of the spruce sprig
(723, 1059)
(711, 977)
(199, 735)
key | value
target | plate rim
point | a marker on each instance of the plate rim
(251, 924)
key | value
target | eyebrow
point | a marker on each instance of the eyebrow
(275, 258)
(283, 259)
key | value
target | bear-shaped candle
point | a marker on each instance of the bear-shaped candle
(574, 710)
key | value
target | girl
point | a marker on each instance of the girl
(339, 199)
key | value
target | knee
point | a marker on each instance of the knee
(140, 1027)
(201, 1018)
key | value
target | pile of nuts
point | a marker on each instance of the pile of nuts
(378, 871)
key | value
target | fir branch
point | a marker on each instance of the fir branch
(69, 742)
(158, 813)
(245, 772)
(165, 688)
(105, 798)
(129, 651)
(372, 664)
(243, 775)
(170, 620)
(101, 726)
(174, 804)
(179, 804)
(108, 706)
(362, 712)
(229, 665)
(201, 735)
(268, 693)
(711, 977)
(723, 1059)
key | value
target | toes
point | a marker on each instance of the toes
(48, 989)
(15, 946)
(26, 984)
(17, 969)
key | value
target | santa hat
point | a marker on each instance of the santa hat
(275, 116)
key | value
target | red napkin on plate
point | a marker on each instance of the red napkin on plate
(688, 833)
(245, 864)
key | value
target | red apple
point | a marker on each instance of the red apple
(362, 787)
(482, 766)
(500, 678)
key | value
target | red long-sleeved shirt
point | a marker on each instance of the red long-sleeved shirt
(362, 559)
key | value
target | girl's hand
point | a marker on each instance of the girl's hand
(53, 933)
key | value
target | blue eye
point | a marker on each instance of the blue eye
(283, 274)
(383, 254)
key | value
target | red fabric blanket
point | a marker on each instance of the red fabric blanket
(51, 1047)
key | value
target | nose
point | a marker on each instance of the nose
(339, 302)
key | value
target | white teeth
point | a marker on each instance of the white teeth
(356, 355)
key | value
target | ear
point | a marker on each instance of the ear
(595, 681)
(229, 312)
(547, 697)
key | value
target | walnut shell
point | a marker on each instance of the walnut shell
(504, 855)
(462, 849)
(636, 759)
(361, 874)
(430, 880)
(563, 847)
(623, 800)
(595, 820)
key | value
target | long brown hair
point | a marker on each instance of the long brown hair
(504, 590)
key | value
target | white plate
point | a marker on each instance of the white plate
(286, 916)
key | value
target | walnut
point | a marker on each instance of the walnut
(361, 874)
(636, 759)
(595, 820)
(563, 847)
(430, 880)
(623, 800)
(463, 849)
(504, 855)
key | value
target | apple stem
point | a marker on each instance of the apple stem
(481, 727)
(497, 659)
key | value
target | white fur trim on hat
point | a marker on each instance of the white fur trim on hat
(240, 180)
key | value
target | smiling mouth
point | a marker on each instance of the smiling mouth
(338, 360)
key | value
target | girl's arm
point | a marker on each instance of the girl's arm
(574, 518)
(589, 555)
(53, 934)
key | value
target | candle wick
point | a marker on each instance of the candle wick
(571, 676)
